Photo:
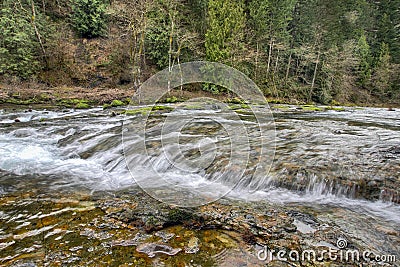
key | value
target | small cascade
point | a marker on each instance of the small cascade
(326, 155)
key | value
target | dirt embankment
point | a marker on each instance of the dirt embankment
(41, 95)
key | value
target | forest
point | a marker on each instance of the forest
(296, 51)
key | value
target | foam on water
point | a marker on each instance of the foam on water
(87, 150)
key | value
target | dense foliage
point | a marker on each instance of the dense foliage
(20, 38)
(88, 17)
(306, 50)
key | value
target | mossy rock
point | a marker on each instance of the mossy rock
(172, 99)
(159, 107)
(145, 110)
(234, 106)
(180, 216)
(44, 97)
(276, 101)
(117, 103)
(311, 108)
(132, 112)
(107, 106)
(82, 105)
(235, 100)
(128, 101)
(191, 107)
(335, 103)
(74, 103)
(21, 102)
(335, 108)
(283, 107)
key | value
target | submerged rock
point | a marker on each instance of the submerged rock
(164, 235)
(193, 246)
(151, 249)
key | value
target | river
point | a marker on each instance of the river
(341, 166)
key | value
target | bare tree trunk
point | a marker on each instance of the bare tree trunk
(136, 47)
(314, 76)
(256, 67)
(170, 63)
(38, 36)
(269, 55)
(276, 62)
(288, 67)
(44, 6)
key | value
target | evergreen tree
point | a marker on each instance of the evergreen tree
(224, 36)
(89, 17)
(388, 26)
(364, 56)
(381, 77)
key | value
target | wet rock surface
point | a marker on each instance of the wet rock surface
(133, 229)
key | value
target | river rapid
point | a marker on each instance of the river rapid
(338, 169)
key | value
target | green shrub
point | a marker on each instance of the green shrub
(89, 17)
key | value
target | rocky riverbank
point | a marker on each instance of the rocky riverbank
(42, 96)
(132, 229)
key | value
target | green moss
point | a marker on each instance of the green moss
(21, 102)
(311, 108)
(132, 112)
(145, 110)
(82, 105)
(179, 216)
(117, 103)
(335, 108)
(281, 107)
(192, 107)
(172, 99)
(128, 101)
(235, 100)
(44, 97)
(276, 101)
(238, 106)
(335, 103)
(74, 103)
(69, 102)
(107, 106)
(234, 106)
(159, 107)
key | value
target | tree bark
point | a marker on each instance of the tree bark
(288, 67)
(256, 67)
(38, 36)
(271, 43)
(314, 76)
(44, 6)
(276, 62)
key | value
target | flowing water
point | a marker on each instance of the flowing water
(342, 165)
